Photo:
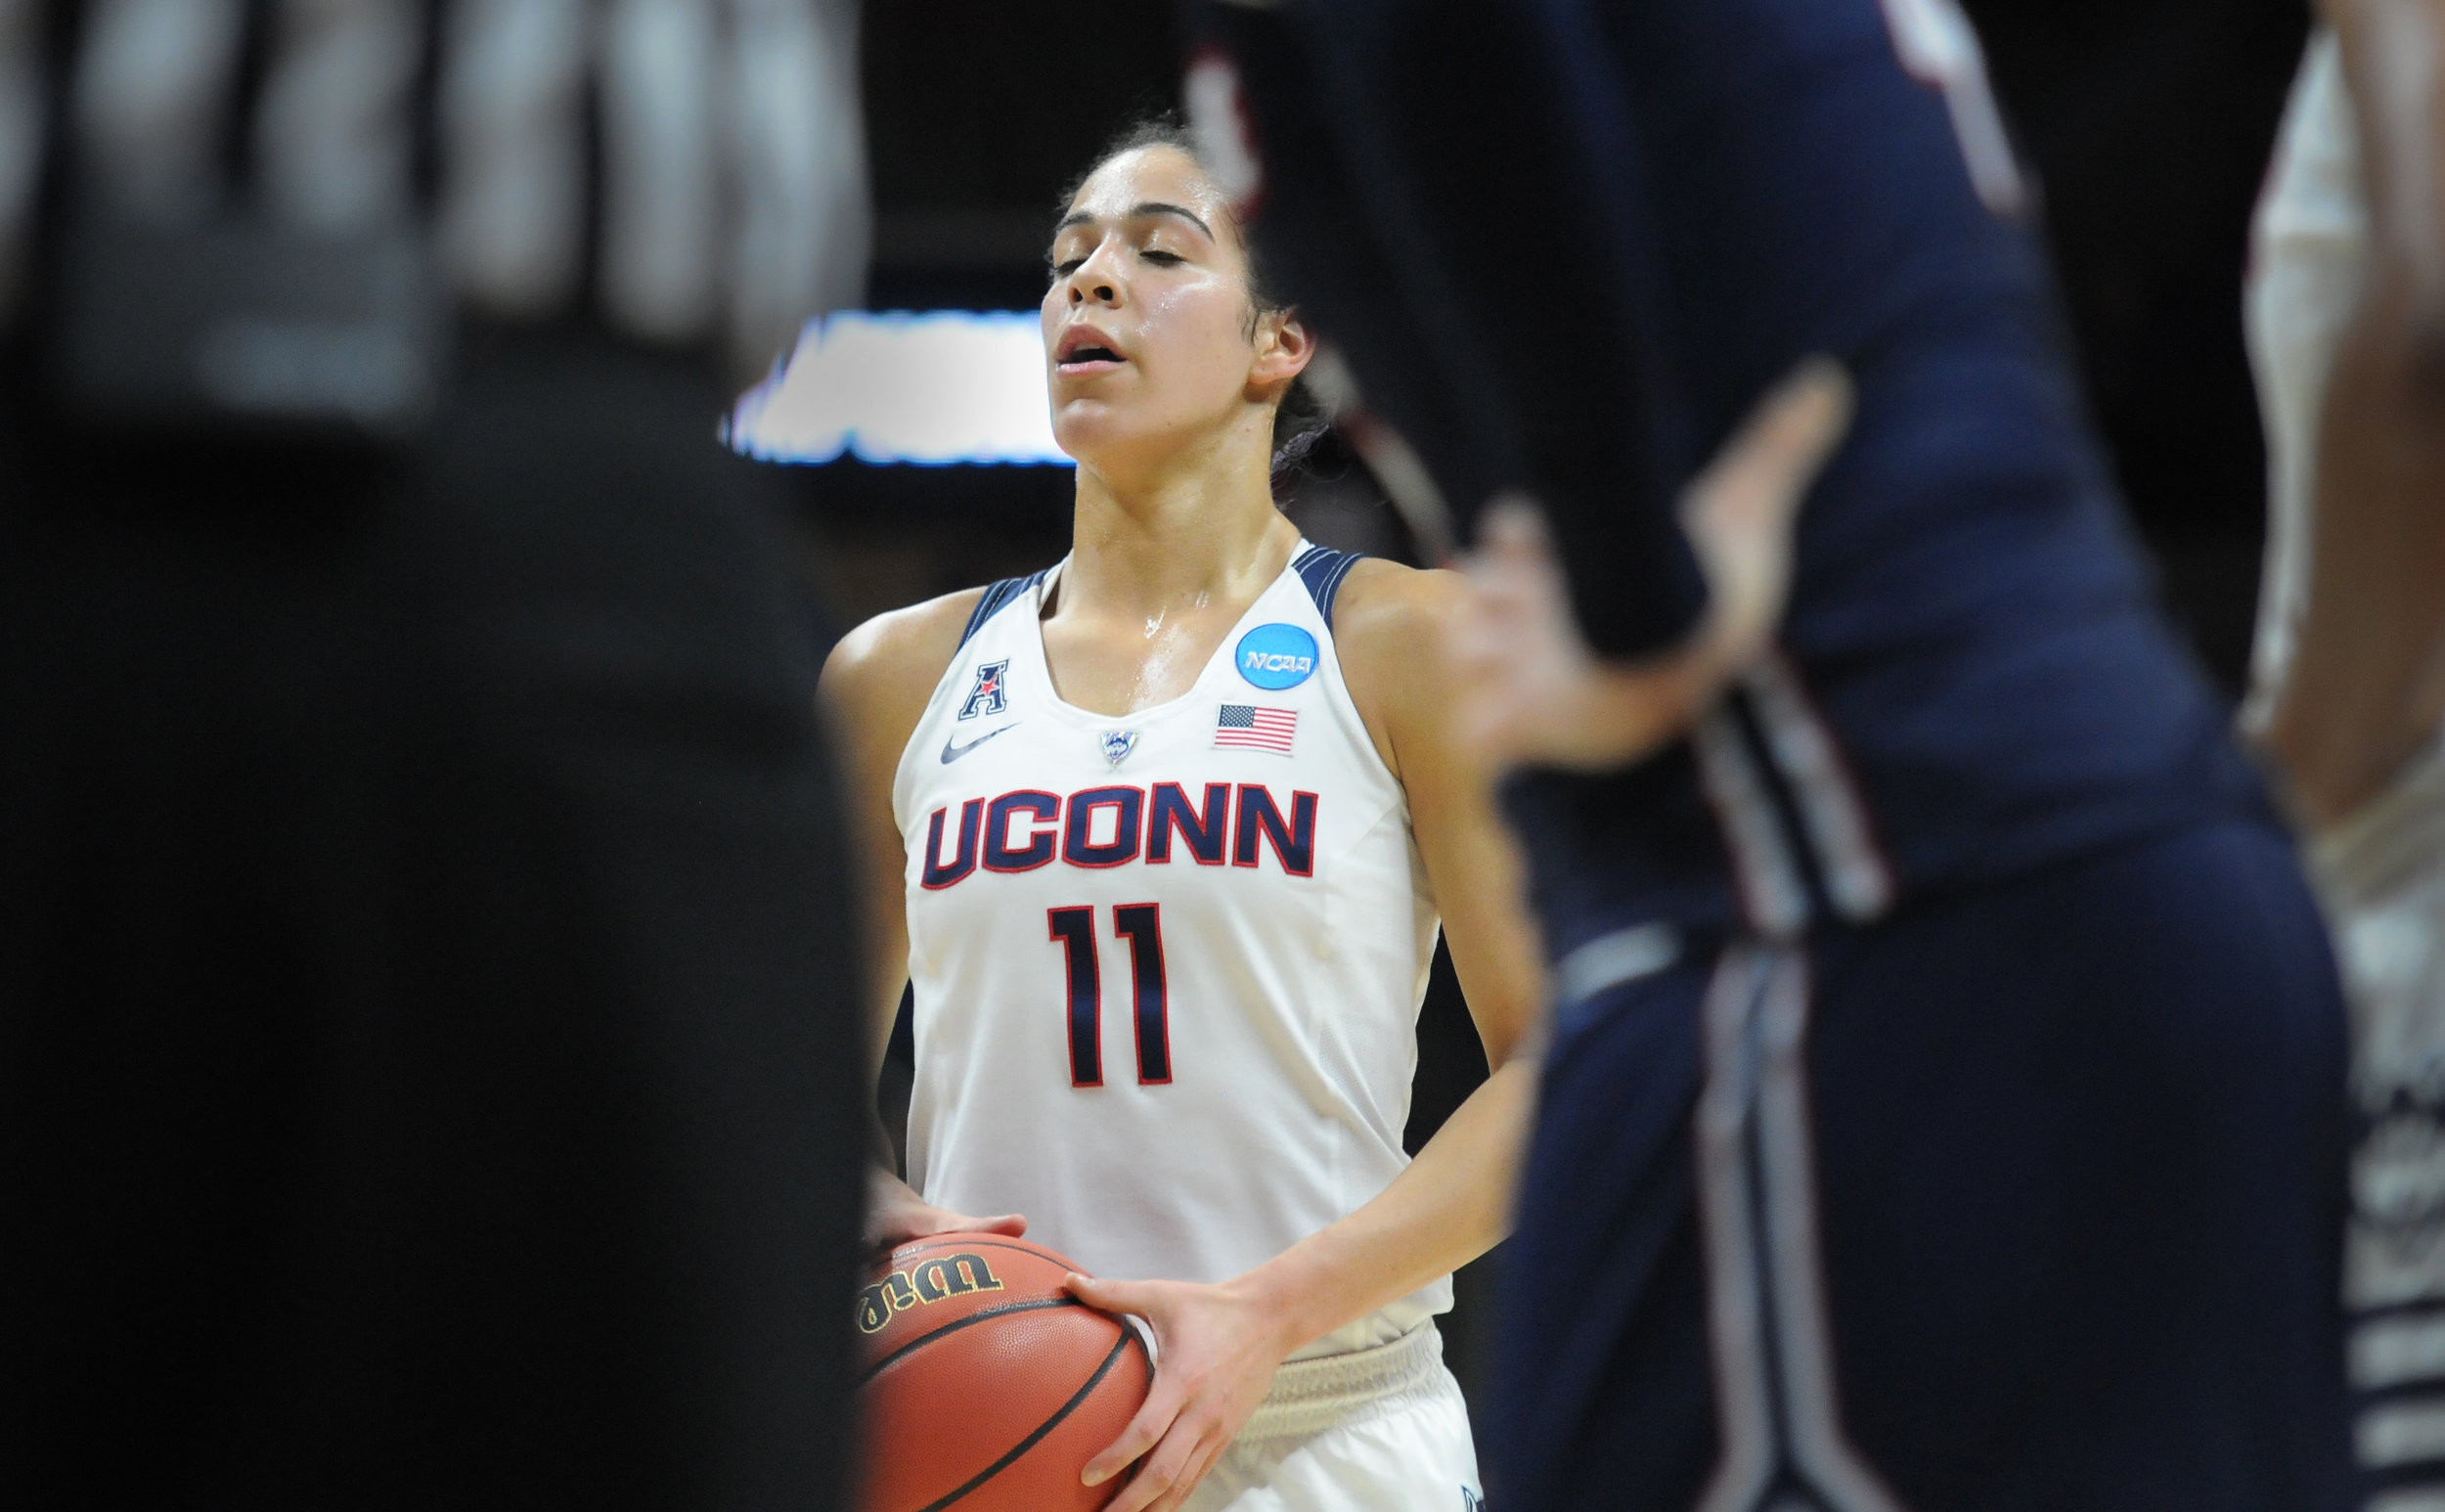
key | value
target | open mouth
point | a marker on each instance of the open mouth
(1083, 351)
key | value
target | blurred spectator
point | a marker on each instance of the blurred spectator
(427, 1036)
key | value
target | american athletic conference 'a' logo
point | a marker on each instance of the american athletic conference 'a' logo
(987, 696)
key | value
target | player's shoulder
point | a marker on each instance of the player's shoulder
(881, 675)
(1388, 629)
(901, 648)
(1384, 607)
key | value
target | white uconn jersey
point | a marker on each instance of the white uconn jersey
(1167, 964)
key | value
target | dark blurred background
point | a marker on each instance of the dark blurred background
(2148, 123)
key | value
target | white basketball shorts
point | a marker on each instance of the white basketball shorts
(1380, 1430)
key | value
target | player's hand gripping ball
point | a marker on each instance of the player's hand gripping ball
(986, 1386)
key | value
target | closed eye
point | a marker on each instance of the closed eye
(1163, 260)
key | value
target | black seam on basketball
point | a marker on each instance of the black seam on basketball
(973, 1318)
(1129, 1336)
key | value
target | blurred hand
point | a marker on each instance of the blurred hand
(896, 1215)
(1532, 690)
(1217, 1353)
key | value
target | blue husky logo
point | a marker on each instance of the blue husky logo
(986, 697)
(1117, 743)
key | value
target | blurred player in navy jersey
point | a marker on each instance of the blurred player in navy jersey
(1944, 1105)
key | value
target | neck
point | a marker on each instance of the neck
(1200, 531)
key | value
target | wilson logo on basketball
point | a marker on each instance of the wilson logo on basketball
(948, 1275)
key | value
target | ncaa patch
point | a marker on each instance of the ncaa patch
(1276, 656)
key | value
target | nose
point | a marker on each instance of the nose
(1096, 281)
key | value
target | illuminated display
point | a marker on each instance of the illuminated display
(932, 388)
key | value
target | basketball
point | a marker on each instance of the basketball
(983, 1385)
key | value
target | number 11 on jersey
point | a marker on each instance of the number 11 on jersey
(1142, 926)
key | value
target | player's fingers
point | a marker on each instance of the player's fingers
(1741, 511)
(1154, 1418)
(889, 1229)
(942, 1221)
(1776, 453)
(1514, 561)
(1514, 528)
(1496, 620)
(1479, 637)
(1209, 1450)
(1160, 1475)
(1115, 1296)
(1139, 1495)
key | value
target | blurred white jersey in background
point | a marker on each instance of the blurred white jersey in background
(2309, 250)
(2382, 871)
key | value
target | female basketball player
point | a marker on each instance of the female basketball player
(1175, 821)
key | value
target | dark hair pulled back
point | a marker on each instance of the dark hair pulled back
(1300, 422)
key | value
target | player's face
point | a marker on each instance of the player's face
(1147, 337)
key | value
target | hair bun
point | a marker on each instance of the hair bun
(1299, 425)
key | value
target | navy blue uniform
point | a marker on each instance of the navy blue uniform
(2072, 1096)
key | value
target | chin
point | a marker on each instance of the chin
(1097, 437)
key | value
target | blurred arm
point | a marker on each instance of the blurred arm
(1534, 692)
(875, 690)
(875, 686)
(2368, 684)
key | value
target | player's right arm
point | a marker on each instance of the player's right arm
(875, 686)
(2367, 685)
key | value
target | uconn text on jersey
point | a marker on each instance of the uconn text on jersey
(1113, 827)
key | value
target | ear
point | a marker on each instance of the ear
(1284, 346)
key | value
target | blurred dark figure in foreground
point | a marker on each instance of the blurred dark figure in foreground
(2347, 329)
(1944, 1105)
(428, 1058)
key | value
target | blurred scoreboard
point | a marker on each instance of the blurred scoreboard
(932, 388)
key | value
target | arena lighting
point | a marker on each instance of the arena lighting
(931, 388)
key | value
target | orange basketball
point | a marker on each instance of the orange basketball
(986, 1386)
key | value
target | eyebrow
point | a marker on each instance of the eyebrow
(1139, 211)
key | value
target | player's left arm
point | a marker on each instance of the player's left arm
(2367, 685)
(1221, 1344)
(1454, 1201)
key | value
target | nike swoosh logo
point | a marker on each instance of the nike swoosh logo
(952, 750)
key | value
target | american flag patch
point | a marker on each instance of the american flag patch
(1246, 726)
